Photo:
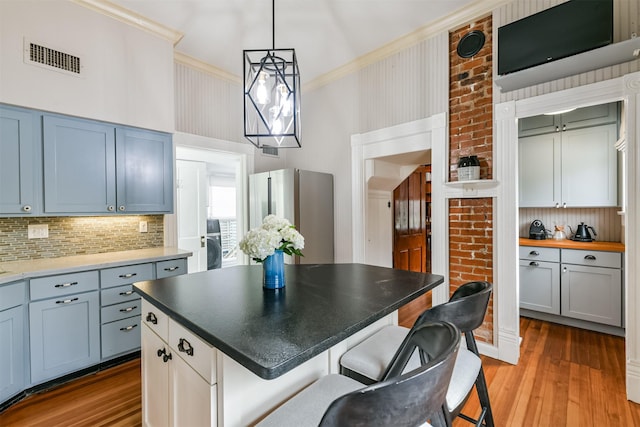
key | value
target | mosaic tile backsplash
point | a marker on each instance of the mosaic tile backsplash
(78, 236)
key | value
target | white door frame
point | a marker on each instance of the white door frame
(626, 89)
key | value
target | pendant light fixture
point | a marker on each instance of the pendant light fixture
(272, 95)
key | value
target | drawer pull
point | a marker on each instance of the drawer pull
(534, 253)
(128, 309)
(185, 347)
(171, 268)
(128, 328)
(152, 318)
(67, 301)
(590, 257)
(65, 285)
(534, 264)
(128, 275)
(165, 357)
(126, 294)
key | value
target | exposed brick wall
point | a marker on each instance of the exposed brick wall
(470, 133)
(78, 236)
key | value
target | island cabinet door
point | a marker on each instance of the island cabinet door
(193, 400)
(155, 379)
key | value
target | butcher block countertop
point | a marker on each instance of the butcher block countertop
(570, 244)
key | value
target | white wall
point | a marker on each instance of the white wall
(126, 76)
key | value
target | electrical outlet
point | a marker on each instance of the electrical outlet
(142, 226)
(38, 231)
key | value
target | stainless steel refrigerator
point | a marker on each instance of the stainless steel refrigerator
(303, 197)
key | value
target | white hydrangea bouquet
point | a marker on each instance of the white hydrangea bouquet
(274, 234)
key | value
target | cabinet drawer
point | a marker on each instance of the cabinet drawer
(120, 311)
(198, 354)
(535, 253)
(592, 258)
(172, 267)
(125, 275)
(120, 337)
(12, 295)
(63, 284)
(155, 319)
(118, 295)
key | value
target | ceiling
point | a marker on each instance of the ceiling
(326, 34)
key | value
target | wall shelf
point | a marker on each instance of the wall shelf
(476, 188)
(605, 56)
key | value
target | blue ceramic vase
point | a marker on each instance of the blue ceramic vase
(273, 271)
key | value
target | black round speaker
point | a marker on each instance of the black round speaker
(470, 44)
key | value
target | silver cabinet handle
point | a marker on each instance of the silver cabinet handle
(564, 205)
(128, 275)
(126, 294)
(534, 253)
(26, 208)
(67, 301)
(128, 328)
(128, 309)
(111, 208)
(557, 205)
(590, 257)
(171, 268)
(65, 285)
(121, 208)
(564, 269)
(534, 264)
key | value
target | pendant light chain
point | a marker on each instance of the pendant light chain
(273, 24)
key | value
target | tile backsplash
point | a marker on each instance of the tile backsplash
(606, 221)
(78, 236)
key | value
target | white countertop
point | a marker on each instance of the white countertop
(18, 270)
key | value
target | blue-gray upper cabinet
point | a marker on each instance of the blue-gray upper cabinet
(13, 374)
(19, 165)
(97, 168)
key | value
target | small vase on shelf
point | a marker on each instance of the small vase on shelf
(273, 271)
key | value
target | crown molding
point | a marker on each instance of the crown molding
(447, 23)
(129, 17)
(205, 67)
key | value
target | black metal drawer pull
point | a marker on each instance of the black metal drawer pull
(590, 257)
(128, 309)
(185, 347)
(171, 268)
(534, 253)
(67, 301)
(534, 264)
(152, 318)
(128, 328)
(128, 275)
(165, 357)
(126, 294)
(66, 285)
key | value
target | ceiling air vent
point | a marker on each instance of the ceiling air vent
(40, 55)
(270, 151)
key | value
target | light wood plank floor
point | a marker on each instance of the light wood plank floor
(566, 377)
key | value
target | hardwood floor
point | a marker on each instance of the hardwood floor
(566, 377)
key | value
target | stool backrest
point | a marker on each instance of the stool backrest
(466, 308)
(409, 399)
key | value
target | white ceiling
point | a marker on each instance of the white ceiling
(326, 34)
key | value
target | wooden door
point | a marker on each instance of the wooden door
(411, 235)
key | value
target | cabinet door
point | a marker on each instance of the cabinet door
(193, 400)
(589, 116)
(536, 125)
(79, 166)
(17, 162)
(592, 293)
(12, 352)
(539, 170)
(64, 335)
(540, 286)
(155, 380)
(590, 167)
(145, 171)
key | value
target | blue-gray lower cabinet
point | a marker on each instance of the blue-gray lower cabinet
(65, 335)
(13, 376)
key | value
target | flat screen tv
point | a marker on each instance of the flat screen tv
(567, 29)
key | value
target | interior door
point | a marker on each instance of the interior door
(191, 178)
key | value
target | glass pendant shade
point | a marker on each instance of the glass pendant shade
(272, 98)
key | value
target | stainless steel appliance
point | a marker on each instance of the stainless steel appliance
(214, 245)
(303, 197)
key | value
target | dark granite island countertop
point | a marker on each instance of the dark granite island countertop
(272, 332)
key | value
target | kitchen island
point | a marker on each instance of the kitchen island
(247, 349)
